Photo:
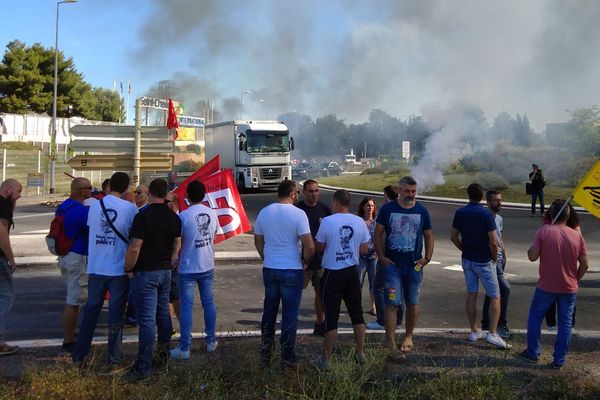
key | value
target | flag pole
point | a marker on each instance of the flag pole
(566, 204)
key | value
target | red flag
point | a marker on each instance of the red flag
(172, 119)
(223, 197)
(206, 170)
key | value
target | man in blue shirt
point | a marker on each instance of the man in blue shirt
(73, 264)
(474, 233)
(406, 225)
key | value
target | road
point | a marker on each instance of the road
(238, 287)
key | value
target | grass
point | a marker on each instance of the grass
(445, 368)
(455, 187)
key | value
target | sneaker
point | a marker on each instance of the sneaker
(134, 376)
(525, 356)
(6, 349)
(375, 326)
(319, 329)
(179, 354)
(475, 336)
(211, 347)
(552, 328)
(320, 363)
(504, 332)
(555, 366)
(67, 348)
(497, 341)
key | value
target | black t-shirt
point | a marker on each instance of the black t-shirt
(157, 226)
(6, 213)
(315, 216)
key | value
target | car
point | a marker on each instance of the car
(300, 171)
(329, 169)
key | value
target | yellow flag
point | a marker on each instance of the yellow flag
(587, 193)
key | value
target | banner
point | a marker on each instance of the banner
(587, 193)
(223, 197)
(209, 168)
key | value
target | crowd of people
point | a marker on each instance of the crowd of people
(136, 249)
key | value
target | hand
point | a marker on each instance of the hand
(386, 261)
(130, 275)
(422, 262)
(175, 264)
(12, 264)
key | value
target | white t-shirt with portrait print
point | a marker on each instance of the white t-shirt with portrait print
(342, 233)
(106, 251)
(199, 225)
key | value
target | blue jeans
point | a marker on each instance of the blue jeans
(504, 296)
(540, 304)
(150, 291)
(285, 286)
(535, 195)
(187, 284)
(379, 292)
(98, 285)
(366, 268)
(7, 295)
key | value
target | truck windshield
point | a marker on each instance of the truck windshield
(266, 141)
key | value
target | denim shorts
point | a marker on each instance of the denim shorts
(402, 282)
(73, 268)
(475, 271)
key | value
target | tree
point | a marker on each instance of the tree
(586, 123)
(503, 127)
(27, 85)
(522, 132)
(328, 133)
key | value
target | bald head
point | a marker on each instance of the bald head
(81, 189)
(11, 188)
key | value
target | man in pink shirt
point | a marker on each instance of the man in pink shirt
(559, 249)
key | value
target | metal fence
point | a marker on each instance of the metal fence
(32, 168)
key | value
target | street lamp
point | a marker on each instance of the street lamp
(242, 103)
(258, 101)
(53, 132)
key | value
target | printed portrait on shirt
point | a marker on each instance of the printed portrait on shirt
(404, 229)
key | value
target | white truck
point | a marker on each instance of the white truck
(350, 159)
(258, 152)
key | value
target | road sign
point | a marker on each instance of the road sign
(35, 179)
(122, 162)
(191, 122)
(153, 102)
(122, 146)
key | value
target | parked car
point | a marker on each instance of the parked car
(329, 169)
(316, 170)
(300, 171)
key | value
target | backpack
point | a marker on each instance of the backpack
(57, 241)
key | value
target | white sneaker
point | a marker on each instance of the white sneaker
(497, 341)
(179, 354)
(211, 347)
(376, 326)
(475, 336)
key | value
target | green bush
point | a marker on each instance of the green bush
(399, 171)
(490, 180)
(187, 166)
(193, 148)
(372, 171)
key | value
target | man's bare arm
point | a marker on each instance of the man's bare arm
(379, 248)
(175, 253)
(493, 243)
(5, 243)
(259, 243)
(308, 248)
(583, 266)
(133, 252)
(455, 238)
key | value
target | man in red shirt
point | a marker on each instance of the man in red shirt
(559, 249)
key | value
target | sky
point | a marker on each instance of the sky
(537, 57)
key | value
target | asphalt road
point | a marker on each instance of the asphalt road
(238, 287)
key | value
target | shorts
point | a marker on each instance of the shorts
(174, 291)
(402, 283)
(474, 271)
(338, 285)
(73, 268)
(313, 276)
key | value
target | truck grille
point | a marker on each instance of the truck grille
(270, 173)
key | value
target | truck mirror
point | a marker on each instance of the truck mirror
(291, 143)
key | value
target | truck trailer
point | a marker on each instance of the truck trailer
(258, 152)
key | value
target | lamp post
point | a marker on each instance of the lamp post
(242, 102)
(258, 101)
(53, 132)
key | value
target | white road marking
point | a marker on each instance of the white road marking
(457, 267)
(45, 231)
(32, 215)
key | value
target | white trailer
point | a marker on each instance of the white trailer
(258, 152)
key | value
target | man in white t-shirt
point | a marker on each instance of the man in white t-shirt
(109, 222)
(199, 226)
(278, 230)
(342, 236)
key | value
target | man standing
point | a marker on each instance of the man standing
(342, 237)
(152, 254)
(141, 197)
(315, 211)
(406, 224)
(474, 233)
(109, 221)
(494, 203)
(10, 191)
(278, 228)
(199, 225)
(559, 249)
(73, 264)
(537, 188)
